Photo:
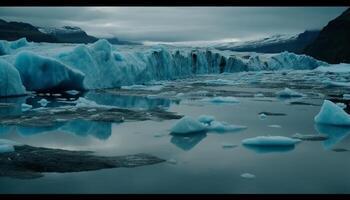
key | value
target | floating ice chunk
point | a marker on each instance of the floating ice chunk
(336, 68)
(187, 125)
(336, 83)
(270, 141)
(172, 161)
(82, 102)
(179, 95)
(219, 82)
(310, 137)
(346, 96)
(10, 80)
(228, 145)
(224, 127)
(341, 105)
(259, 95)
(222, 100)
(332, 114)
(72, 92)
(43, 102)
(4, 148)
(248, 176)
(286, 93)
(143, 87)
(26, 107)
(274, 126)
(262, 116)
(206, 119)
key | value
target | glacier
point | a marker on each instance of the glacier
(61, 67)
(10, 80)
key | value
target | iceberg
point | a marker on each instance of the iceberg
(4, 148)
(270, 141)
(39, 73)
(187, 125)
(8, 47)
(332, 114)
(221, 99)
(287, 93)
(10, 80)
(224, 127)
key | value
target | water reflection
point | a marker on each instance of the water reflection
(335, 134)
(11, 106)
(270, 149)
(187, 142)
(100, 130)
(126, 101)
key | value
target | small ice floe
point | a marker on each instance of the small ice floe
(336, 83)
(287, 93)
(72, 92)
(43, 102)
(228, 145)
(26, 107)
(267, 141)
(61, 120)
(332, 114)
(206, 119)
(172, 161)
(335, 68)
(179, 95)
(187, 125)
(219, 82)
(310, 137)
(56, 95)
(92, 110)
(143, 87)
(341, 105)
(248, 176)
(262, 116)
(224, 127)
(221, 99)
(346, 96)
(259, 95)
(275, 126)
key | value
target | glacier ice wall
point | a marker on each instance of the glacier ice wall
(10, 80)
(102, 65)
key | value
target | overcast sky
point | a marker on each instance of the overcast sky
(173, 24)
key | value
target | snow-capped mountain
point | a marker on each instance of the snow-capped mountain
(274, 44)
(68, 34)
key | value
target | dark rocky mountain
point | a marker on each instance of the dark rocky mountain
(67, 34)
(15, 30)
(274, 44)
(333, 43)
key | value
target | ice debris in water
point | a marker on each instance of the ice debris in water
(206, 119)
(248, 176)
(259, 95)
(270, 141)
(346, 96)
(187, 125)
(72, 92)
(286, 93)
(332, 114)
(336, 68)
(221, 99)
(224, 127)
(143, 87)
(43, 102)
(262, 116)
(26, 107)
(274, 126)
(341, 105)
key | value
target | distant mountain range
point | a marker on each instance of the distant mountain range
(66, 34)
(273, 44)
(333, 43)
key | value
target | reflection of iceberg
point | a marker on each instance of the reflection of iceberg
(124, 101)
(270, 149)
(187, 142)
(30, 130)
(335, 134)
(100, 130)
(11, 106)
